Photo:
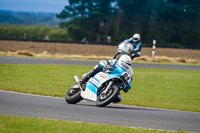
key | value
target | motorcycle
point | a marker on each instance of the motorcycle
(103, 88)
(124, 48)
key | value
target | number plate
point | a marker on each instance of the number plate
(125, 77)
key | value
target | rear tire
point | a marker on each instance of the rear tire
(73, 95)
(105, 99)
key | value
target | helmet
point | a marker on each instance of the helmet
(125, 61)
(136, 37)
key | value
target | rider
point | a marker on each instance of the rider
(109, 64)
(137, 44)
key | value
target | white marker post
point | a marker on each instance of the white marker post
(153, 49)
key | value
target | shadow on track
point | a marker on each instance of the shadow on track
(122, 107)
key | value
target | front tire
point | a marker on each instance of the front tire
(105, 99)
(73, 95)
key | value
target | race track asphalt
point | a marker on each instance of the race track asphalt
(23, 60)
(18, 104)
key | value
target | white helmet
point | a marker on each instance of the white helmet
(125, 61)
(136, 37)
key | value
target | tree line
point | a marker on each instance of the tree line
(173, 23)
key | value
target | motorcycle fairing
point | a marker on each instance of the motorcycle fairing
(92, 86)
(94, 83)
(125, 47)
(90, 92)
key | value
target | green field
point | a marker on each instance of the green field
(12, 124)
(159, 88)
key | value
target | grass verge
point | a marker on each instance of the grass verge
(13, 124)
(159, 88)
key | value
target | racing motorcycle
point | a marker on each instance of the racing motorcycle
(124, 48)
(103, 88)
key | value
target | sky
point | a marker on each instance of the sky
(49, 6)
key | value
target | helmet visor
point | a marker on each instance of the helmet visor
(125, 65)
(135, 39)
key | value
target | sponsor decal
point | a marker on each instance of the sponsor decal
(103, 76)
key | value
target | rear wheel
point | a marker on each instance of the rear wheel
(73, 95)
(110, 96)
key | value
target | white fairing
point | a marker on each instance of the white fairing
(89, 95)
(92, 86)
(127, 67)
(90, 92)
(125, 47)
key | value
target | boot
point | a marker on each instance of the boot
(85, 79)
(89, 75)
(118, 99)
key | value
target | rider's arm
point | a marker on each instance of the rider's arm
(137, 48)
(128, 40)
(104, 63)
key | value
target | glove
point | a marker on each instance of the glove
(108, 67)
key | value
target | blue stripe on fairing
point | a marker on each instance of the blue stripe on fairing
(93, 84)
(92, 88)
(96, 79)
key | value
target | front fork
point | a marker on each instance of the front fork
(109, 85)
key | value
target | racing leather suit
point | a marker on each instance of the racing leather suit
(136, 47)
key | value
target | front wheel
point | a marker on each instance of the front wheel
(110, 96)
(73, 95)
